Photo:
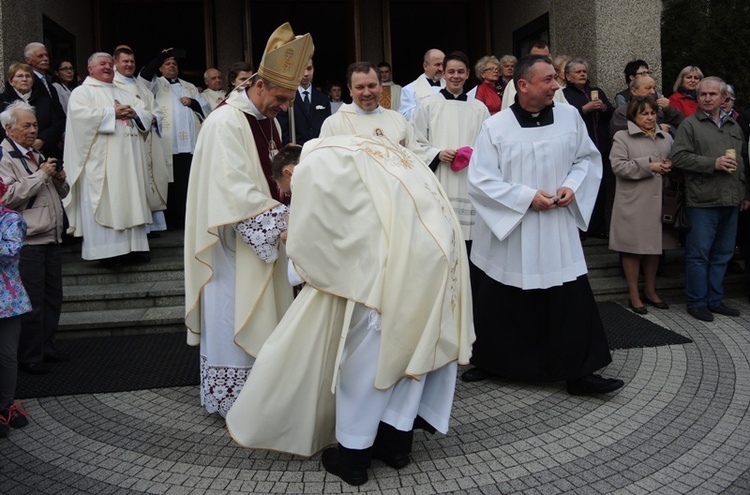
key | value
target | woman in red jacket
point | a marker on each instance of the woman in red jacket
(684, 98)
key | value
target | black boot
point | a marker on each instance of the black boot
(392, 446)
(348, 464)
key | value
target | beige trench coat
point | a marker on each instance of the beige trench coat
(636, 214)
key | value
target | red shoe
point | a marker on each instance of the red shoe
(14, 416)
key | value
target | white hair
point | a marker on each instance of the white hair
(205, 74)
(9, 116)
(96, 55)
(29, 50)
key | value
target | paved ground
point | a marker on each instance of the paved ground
(681, 425)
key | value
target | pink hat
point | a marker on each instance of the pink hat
(462, 158)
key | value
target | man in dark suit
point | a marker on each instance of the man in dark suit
(311, 108)
(36, 55)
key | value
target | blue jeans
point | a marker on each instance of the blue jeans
(709, 247)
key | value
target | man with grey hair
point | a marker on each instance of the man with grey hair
(213, 92)
(428, 84)
(35, 54)
(709, 149)
(35, 186)
(104, 140)
(507, 67)
(667, 117)
(183, 110)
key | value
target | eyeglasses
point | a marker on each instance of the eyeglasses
(643, 73)
(22, 75)
(728, 99)
(491, 69)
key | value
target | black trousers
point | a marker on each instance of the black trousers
(177, 191)
(538, 335)
(41, 273)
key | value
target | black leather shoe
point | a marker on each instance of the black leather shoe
(593, 384)
(657, 305)
(475, 375)
(35, 368)
(56, 357)
(702, 313)
(342, 466)
(640, 310)
(396, 460)
(725, 310)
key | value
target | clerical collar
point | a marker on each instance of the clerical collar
(253, 109)
(175, 80)
(450, 96)
(126, 79)
(360, 111)
(432, 83)
(527, 119)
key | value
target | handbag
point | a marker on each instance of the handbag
(673, 211)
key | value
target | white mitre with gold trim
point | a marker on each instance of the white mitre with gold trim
(286, 57)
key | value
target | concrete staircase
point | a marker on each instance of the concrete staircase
(123, 300)
(149, 297)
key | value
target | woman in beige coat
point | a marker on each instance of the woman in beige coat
(640, 157)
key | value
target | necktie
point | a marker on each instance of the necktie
(306, 99)
(30, 154)
(46, 85)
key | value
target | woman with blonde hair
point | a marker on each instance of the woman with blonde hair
(684, 97)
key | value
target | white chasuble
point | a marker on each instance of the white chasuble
(233, 299)
(381, 122)
(509, 164)
(452, 124)
(157, 171)
(105, 155)
(375, 238)
(214, 97)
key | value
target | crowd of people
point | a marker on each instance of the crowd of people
(430, 225)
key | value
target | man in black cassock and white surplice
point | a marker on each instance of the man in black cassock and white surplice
(533, 179)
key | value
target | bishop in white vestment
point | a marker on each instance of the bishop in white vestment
(236, 287)
(104, 156)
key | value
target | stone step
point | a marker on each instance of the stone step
(121, 322)
(94, 273)
(123, 296)
(149, 297)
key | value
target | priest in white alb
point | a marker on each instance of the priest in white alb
(533, 178)
(157, 172)
(236, 286)
(182, 108)
(450, 120)
(104, 139)
(425, 85)
(369, 349)
(365, 116)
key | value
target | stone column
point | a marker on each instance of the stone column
(20, 24)
(608, 34)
